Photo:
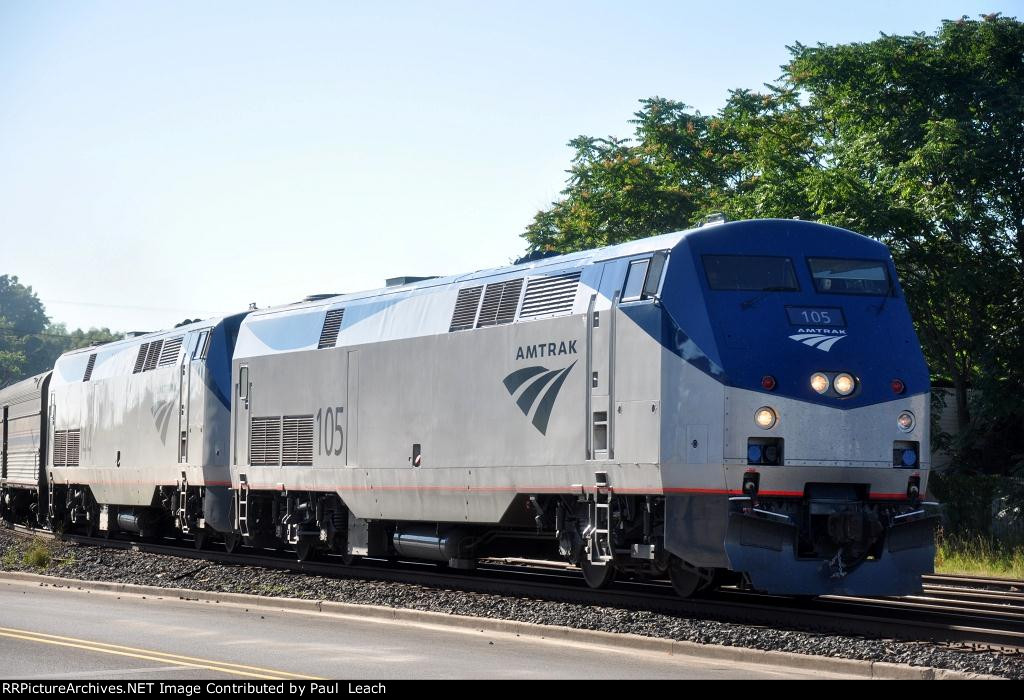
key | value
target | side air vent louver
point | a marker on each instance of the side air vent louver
(140, 359)
(60, 448)
(265, 441)
(88, 368)
(152, 355)
(74, 444)
(501, 300)
(169, 353)
(550, 295)
(66, 446)
(465, 309)
(298, 441)
(332, 324)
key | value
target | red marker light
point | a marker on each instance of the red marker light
(768, 382)
(898, 387)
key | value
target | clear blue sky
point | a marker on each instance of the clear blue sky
(187, 158)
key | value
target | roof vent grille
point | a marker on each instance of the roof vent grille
(140, 359)
(501, 300)
(169, 354)
(332, 324)
(88, 368)
(550, 295)
(152, 355)
(465, 309)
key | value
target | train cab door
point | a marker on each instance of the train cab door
(3, 446)
(599, 375)
(184, 384)
(192, 409)
(242, 400)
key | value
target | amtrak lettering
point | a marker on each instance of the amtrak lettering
(530, 352)
(819, 338)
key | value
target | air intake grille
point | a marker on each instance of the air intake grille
(88, 368)
(332, 324)
(465, 309)
(152, 355)
(74, 444)
(500, 302)
(66, 446)
(265, 441)
(140, 359)
(550, 295)
(60, 448)
(169, 353)
(298, 441)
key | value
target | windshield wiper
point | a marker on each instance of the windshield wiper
(888, 293)
(749, 303)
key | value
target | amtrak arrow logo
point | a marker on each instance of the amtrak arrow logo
(817, 340)
(162, 413)
(542, 377)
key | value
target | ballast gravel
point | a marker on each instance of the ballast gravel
(72, 560)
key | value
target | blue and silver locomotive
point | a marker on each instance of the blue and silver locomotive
(743, 402)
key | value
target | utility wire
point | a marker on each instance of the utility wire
(124, 306)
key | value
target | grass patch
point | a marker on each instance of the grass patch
(37, 556)
(978, 555)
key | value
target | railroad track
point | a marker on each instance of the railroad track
(966, 613)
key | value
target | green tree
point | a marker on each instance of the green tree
(29, 342)
(22, 324)
(917, 140)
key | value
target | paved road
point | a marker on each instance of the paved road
(57, 633)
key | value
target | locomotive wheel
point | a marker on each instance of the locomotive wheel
(92, 523)
(232, 541)
(305, 549)
(598, 576)
(686, 579)
(200, 537)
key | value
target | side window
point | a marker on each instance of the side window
(636, 277)
(243, 382)
(200, 349)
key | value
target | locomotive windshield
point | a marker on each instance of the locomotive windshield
(837, 276)
(752, 273)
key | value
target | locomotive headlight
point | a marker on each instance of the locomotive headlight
(906, 421)
(765, 417)
(844, 384)
(819, 382)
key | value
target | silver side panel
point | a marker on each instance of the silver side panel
(454, 395)
(131, 423)
(22, 404)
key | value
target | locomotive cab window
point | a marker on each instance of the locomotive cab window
(839, 276)
(636, 276)
(199, 351)
(243, 383)
(750, 273)
(643, 277)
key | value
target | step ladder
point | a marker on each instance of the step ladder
(51, 510)
(601, 521)
(242, 509)
(183, 504)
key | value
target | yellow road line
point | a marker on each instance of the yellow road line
(150, 655)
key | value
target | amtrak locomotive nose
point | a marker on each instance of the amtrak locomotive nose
(825, 443)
